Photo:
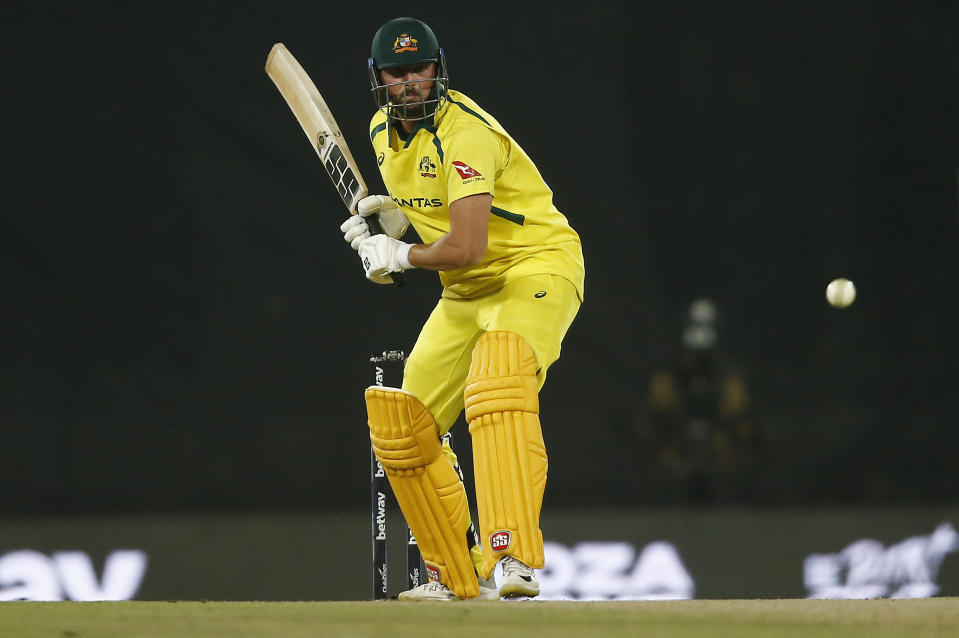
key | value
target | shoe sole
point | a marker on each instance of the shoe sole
(516, 590)
(483, 596)
(423, 599)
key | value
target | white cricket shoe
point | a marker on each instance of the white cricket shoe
(518, 579)
(439, 592)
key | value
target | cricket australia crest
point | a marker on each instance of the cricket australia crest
(427, 167)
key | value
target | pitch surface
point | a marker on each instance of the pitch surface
(934, 617)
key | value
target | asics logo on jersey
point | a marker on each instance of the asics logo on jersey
(405, 43)
(465, 170)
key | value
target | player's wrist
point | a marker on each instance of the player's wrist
(403, 256)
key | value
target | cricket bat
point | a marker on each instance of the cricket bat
(321, 129)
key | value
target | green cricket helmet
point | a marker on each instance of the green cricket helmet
(407, 42)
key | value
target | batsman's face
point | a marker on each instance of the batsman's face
(410, 86)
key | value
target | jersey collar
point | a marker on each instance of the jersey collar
(407, 139)
(429, 124)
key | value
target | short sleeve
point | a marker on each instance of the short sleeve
(474, 156)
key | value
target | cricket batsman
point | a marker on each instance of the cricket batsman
(512, 273)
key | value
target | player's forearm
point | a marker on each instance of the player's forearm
(447, 253)
(466, 242)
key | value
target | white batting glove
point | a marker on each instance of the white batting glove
(355, 231)
(382, 255)
(392, 220)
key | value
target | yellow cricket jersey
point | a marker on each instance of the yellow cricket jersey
(463, 151)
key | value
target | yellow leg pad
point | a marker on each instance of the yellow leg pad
(430, 493)
(509, 455)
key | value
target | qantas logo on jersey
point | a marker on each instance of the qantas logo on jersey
(465, 170)
(405, 43)
(418, 202)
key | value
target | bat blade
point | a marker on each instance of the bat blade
(316, 119)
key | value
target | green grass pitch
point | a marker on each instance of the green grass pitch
(925, 618)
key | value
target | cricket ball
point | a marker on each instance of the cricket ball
(840, 293)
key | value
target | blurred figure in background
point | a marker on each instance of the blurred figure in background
(698, 423)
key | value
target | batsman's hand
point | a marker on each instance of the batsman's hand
(392, 220)
(382, 255)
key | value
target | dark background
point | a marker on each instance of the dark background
(184, 328)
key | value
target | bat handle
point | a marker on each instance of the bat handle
(373, 223)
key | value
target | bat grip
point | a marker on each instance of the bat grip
(373, 223)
